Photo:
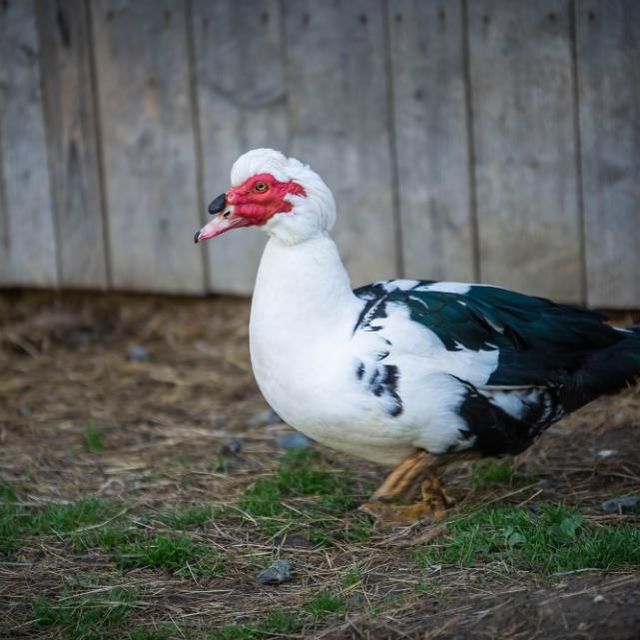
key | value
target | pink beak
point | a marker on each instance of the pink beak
(223, 221)
(220, 224)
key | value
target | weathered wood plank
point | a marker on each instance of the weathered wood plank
(430, 127)
(148, 144)
(339, 122)
(71, 131)
(241, 105)
(28, 253)
(525, 146)
(608, 48)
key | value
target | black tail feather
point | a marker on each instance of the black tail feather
(606, 371)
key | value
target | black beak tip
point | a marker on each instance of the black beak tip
(196, 237)
(218, 204)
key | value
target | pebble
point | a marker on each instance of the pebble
(296, 541)
(277, 573)
(137, 353)
(623, 504)
(598, 599)
(264, 418)
(546, 484)
(232, 446)
(606, 453)
(293, 441)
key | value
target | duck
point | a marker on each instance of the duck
(410, 374)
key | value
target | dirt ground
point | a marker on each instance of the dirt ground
(168, 384)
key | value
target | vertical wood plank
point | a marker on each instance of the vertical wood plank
(339, 122)
(148, 144)
(608, 51)
(71, 132)
(525, 147)
(28, 252)
(241, 105)
(430, 126)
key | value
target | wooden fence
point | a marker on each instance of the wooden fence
(493, 140)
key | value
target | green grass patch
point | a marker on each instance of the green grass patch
(18, 522)
(284, 623)
(63, 518)
(486, 474)
(276, 623)
(325, 604)
(175, 554)
(86, 617)
(299, 475)
(352, 577)
(192, 518)
(131, 546)
(551, 541)
(93, 438)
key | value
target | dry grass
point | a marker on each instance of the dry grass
(175, 544)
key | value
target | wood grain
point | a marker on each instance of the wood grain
(525, 146)
(241, 91)
(608, 52)
(28, 251)
(71, 132)
(430, 128)
(147, 132)
(339, 123)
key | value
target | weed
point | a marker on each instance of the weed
(107, 538)
(493, 473)
(298, 475)
(191, 518)
(176, 554)
(163, 632)
(281, 622)
(359, 531)
(62, 518)
(7, 493)
(93, 438)
(353, 576)
(18, 521)
(86, 617)
(277, 622)
(554, 540)
(324, 605)
(9, 513)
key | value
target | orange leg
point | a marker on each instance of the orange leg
(416, 471)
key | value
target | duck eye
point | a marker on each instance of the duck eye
(261, 187)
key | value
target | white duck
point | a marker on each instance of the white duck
(407, 373)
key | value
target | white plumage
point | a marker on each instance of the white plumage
(403, 365)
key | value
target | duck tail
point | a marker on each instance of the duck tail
(607, 370)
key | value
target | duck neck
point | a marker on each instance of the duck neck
(303, 289)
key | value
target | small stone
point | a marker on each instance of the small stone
(232, 446)
(137, 353)
(277, 573)
(606, 453)
(264, 418)
(598, 599)
(546, 484)
(296, 541)
(623, 504)
(293, 441)
(583, 626)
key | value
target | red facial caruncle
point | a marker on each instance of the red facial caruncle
(252, 203)
(262, 196)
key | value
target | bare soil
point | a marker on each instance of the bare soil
(168, 382)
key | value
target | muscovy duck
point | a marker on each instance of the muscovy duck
(409, 373)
